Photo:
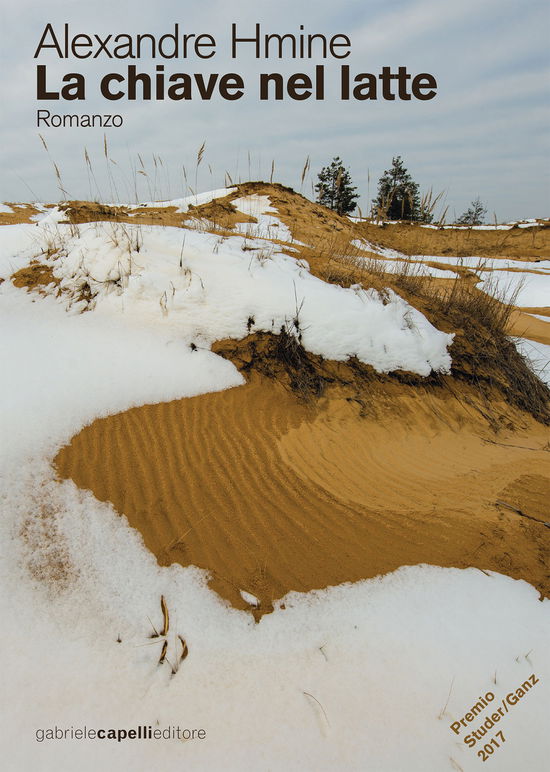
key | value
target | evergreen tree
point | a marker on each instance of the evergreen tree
(334, 189)
(475, 214)
(398, 195)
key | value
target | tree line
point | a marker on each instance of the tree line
(398, 195)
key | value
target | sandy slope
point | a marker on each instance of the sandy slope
(270, 493)
(273, 495)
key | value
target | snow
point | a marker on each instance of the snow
(5, 209)
(352, 677)
(253, 205)
(470, 227)
(15, 241)
(378, 249)
(124, 366)
(529, 279)
(268, 226)
(395, 262)
(183, 204)
(501, 227)
(469, 261)
(417, 269)
(527, 289)
(487, 227)
(488, 263)
(541, 317)
(47, 214)
(21, 243)
(219, 286)
(530, 223)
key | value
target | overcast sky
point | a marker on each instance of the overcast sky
(486, 132)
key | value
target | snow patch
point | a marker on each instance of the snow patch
(358, 676)
(201, 287)
(538, 354)
(184, 203)
(267, 226)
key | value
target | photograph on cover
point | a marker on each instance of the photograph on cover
(275, 333)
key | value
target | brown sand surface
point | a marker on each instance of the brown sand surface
(541, 310)
(522, 325)
(273, 494)
(412, 239)
(22, 213)
(323, 229)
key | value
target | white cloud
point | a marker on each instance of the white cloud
(490, 61)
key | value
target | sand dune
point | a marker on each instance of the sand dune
(526, 326)
(271, 494)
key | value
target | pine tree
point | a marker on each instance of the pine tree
(475, 214)
(334, 189)
(398, 195)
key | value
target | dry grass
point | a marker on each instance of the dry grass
(482, 353)
(36, 276)
(483, 356)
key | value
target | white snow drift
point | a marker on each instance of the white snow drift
(205, 287)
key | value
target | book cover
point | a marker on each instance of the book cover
(274, 298)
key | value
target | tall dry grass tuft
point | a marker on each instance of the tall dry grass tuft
(429, 203)
(483, 354)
